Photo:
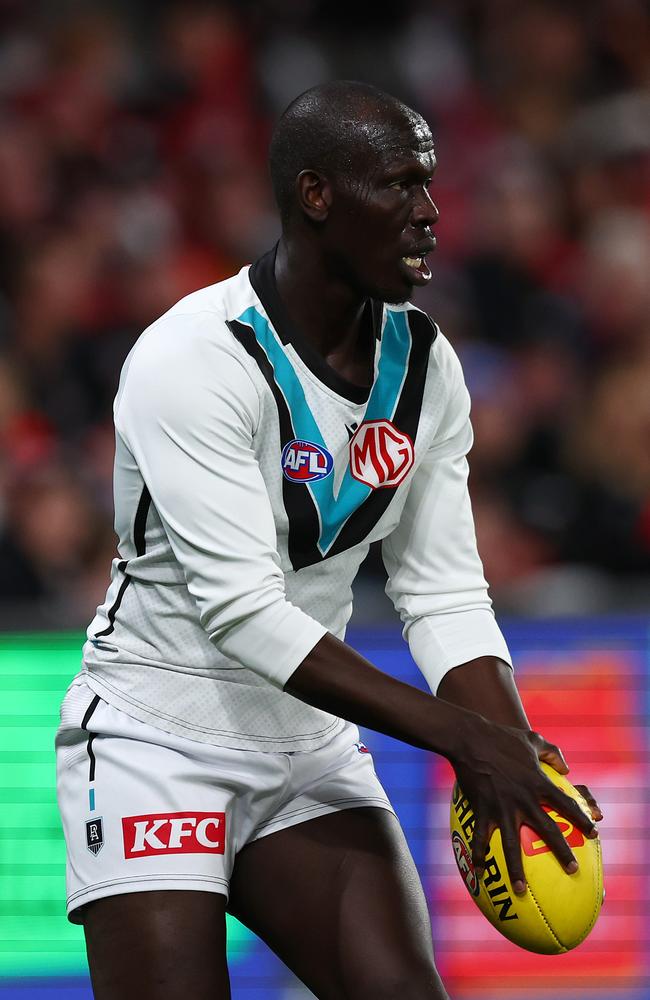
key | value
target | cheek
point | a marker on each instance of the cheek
(357, 206)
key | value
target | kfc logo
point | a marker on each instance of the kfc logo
(380, 454)
(174, 833)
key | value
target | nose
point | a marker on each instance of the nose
(425, 212)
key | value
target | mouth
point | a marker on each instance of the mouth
(418, 269)
(416, 264)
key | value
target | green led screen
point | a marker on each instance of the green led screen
(600, 665)
(35, 937)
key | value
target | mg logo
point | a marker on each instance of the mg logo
(380, 455)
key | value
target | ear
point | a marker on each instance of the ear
(314, 194)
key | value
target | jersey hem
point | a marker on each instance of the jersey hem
(233, 741)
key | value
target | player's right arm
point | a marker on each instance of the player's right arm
(187, 411)
(504, 760)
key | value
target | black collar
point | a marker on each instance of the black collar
(262, 278)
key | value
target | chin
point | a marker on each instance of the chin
(394, 292)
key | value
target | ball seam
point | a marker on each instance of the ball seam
(543, 916)
(596, 879)
(597, 883)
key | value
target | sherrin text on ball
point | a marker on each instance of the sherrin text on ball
(558, 910)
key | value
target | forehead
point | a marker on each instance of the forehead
(406, 136)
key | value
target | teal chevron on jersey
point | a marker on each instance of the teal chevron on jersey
(393, 363)
(335, 510)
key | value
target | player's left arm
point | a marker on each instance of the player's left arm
(435, 575)
(436, 578)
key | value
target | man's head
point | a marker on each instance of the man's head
(350, 167)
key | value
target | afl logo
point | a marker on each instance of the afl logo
(304, 461)
(464, 861)
(380, 454)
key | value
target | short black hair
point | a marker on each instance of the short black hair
(325, 129)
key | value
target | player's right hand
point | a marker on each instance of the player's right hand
(500, 774)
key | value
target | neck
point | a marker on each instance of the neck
(327, 311)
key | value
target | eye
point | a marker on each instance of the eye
(406, 183)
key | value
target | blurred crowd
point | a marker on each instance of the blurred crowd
(133, 143)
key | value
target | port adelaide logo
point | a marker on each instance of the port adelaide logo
(95, 835)
(305, 462)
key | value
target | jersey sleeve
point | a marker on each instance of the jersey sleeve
(436, 579)
(187, 410)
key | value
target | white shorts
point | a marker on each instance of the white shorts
(145, 810)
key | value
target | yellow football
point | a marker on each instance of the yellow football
(557, 911)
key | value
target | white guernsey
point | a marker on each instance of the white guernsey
(250, 480)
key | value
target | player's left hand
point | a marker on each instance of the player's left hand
(507, 789)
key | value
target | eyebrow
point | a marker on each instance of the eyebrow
(410, 165)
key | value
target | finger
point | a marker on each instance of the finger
(552, 755)
(596, 811)
(552, 836)
(512, 853)
(570, 809)
(480, 844)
